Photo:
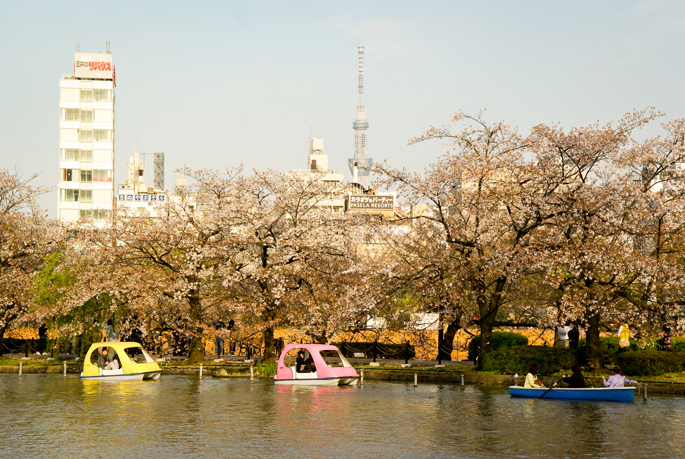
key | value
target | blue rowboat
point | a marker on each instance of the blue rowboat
(614, 394)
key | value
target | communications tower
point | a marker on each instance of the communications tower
(360, 164)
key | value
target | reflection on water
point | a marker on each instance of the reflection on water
(179, 416)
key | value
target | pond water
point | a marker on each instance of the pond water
(184, 416)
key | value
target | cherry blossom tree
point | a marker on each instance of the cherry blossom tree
(496, 200)
(27, 238)
(168, 268)
(296, 257)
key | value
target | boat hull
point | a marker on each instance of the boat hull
(131, 377)
(317, 382)
(152, 375)
(613, 394)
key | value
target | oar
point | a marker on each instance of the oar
(551, 387)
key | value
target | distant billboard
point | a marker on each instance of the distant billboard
(371, 203)
(89, 65)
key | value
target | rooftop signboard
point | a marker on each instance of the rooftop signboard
(93, 65)
(371, 203)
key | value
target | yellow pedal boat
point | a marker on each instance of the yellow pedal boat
(119, 361)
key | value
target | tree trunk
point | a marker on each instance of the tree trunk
(486, 326)
(488, 308)
(2, 340)
(320, 339)
(269, 345)
(595, 351)
(448, 341)
(196, 350)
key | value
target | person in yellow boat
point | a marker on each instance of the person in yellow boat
(107, 360)
(624, 336)
(532, 377)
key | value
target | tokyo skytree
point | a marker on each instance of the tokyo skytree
(360, 164)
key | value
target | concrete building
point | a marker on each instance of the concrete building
(135, 197)
(317, 169)
(86, 139)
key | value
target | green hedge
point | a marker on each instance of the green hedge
(499, 340)
(650, 363)
(384, 351)
(678, 344)
(517, 359)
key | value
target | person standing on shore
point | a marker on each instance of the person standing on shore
(574, 335)
(219, 339)
(623, 336)
(42, 339)
(108, 333)
(563, 336)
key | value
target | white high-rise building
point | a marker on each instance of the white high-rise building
(86, 139)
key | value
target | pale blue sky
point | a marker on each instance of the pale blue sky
(214, 84)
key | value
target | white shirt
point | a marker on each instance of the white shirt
(563, 333)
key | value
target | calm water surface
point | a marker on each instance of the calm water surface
(180, 416)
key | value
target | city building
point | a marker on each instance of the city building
(317, 169)
(360, 164)
(86, 139)
(135, 197)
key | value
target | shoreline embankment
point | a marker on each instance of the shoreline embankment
(370, 374)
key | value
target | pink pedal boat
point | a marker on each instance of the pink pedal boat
(325, 374)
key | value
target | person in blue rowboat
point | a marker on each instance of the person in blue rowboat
(532, 377)
(617, 379)
(576, 380)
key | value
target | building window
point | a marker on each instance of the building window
(69, 114)
(97, 215)
(86, 175)
(100, 215)
(86, 95)
(102, 175)
(86, 135)
(70, 195)
(87, 156)
(69, 154)
(69, 175)
(102, 95)
(102, 135)
(86, 116)
(86, 195)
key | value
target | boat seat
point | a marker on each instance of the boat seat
(119, 371)
(313, 375)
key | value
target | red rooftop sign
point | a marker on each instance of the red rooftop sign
(98, 65)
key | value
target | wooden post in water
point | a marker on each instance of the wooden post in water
(200, 371)
(65, 369)
(362, 380)
(251, 373)
(644, 391)
(19, 368)
(462, 382)
(416, 380)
